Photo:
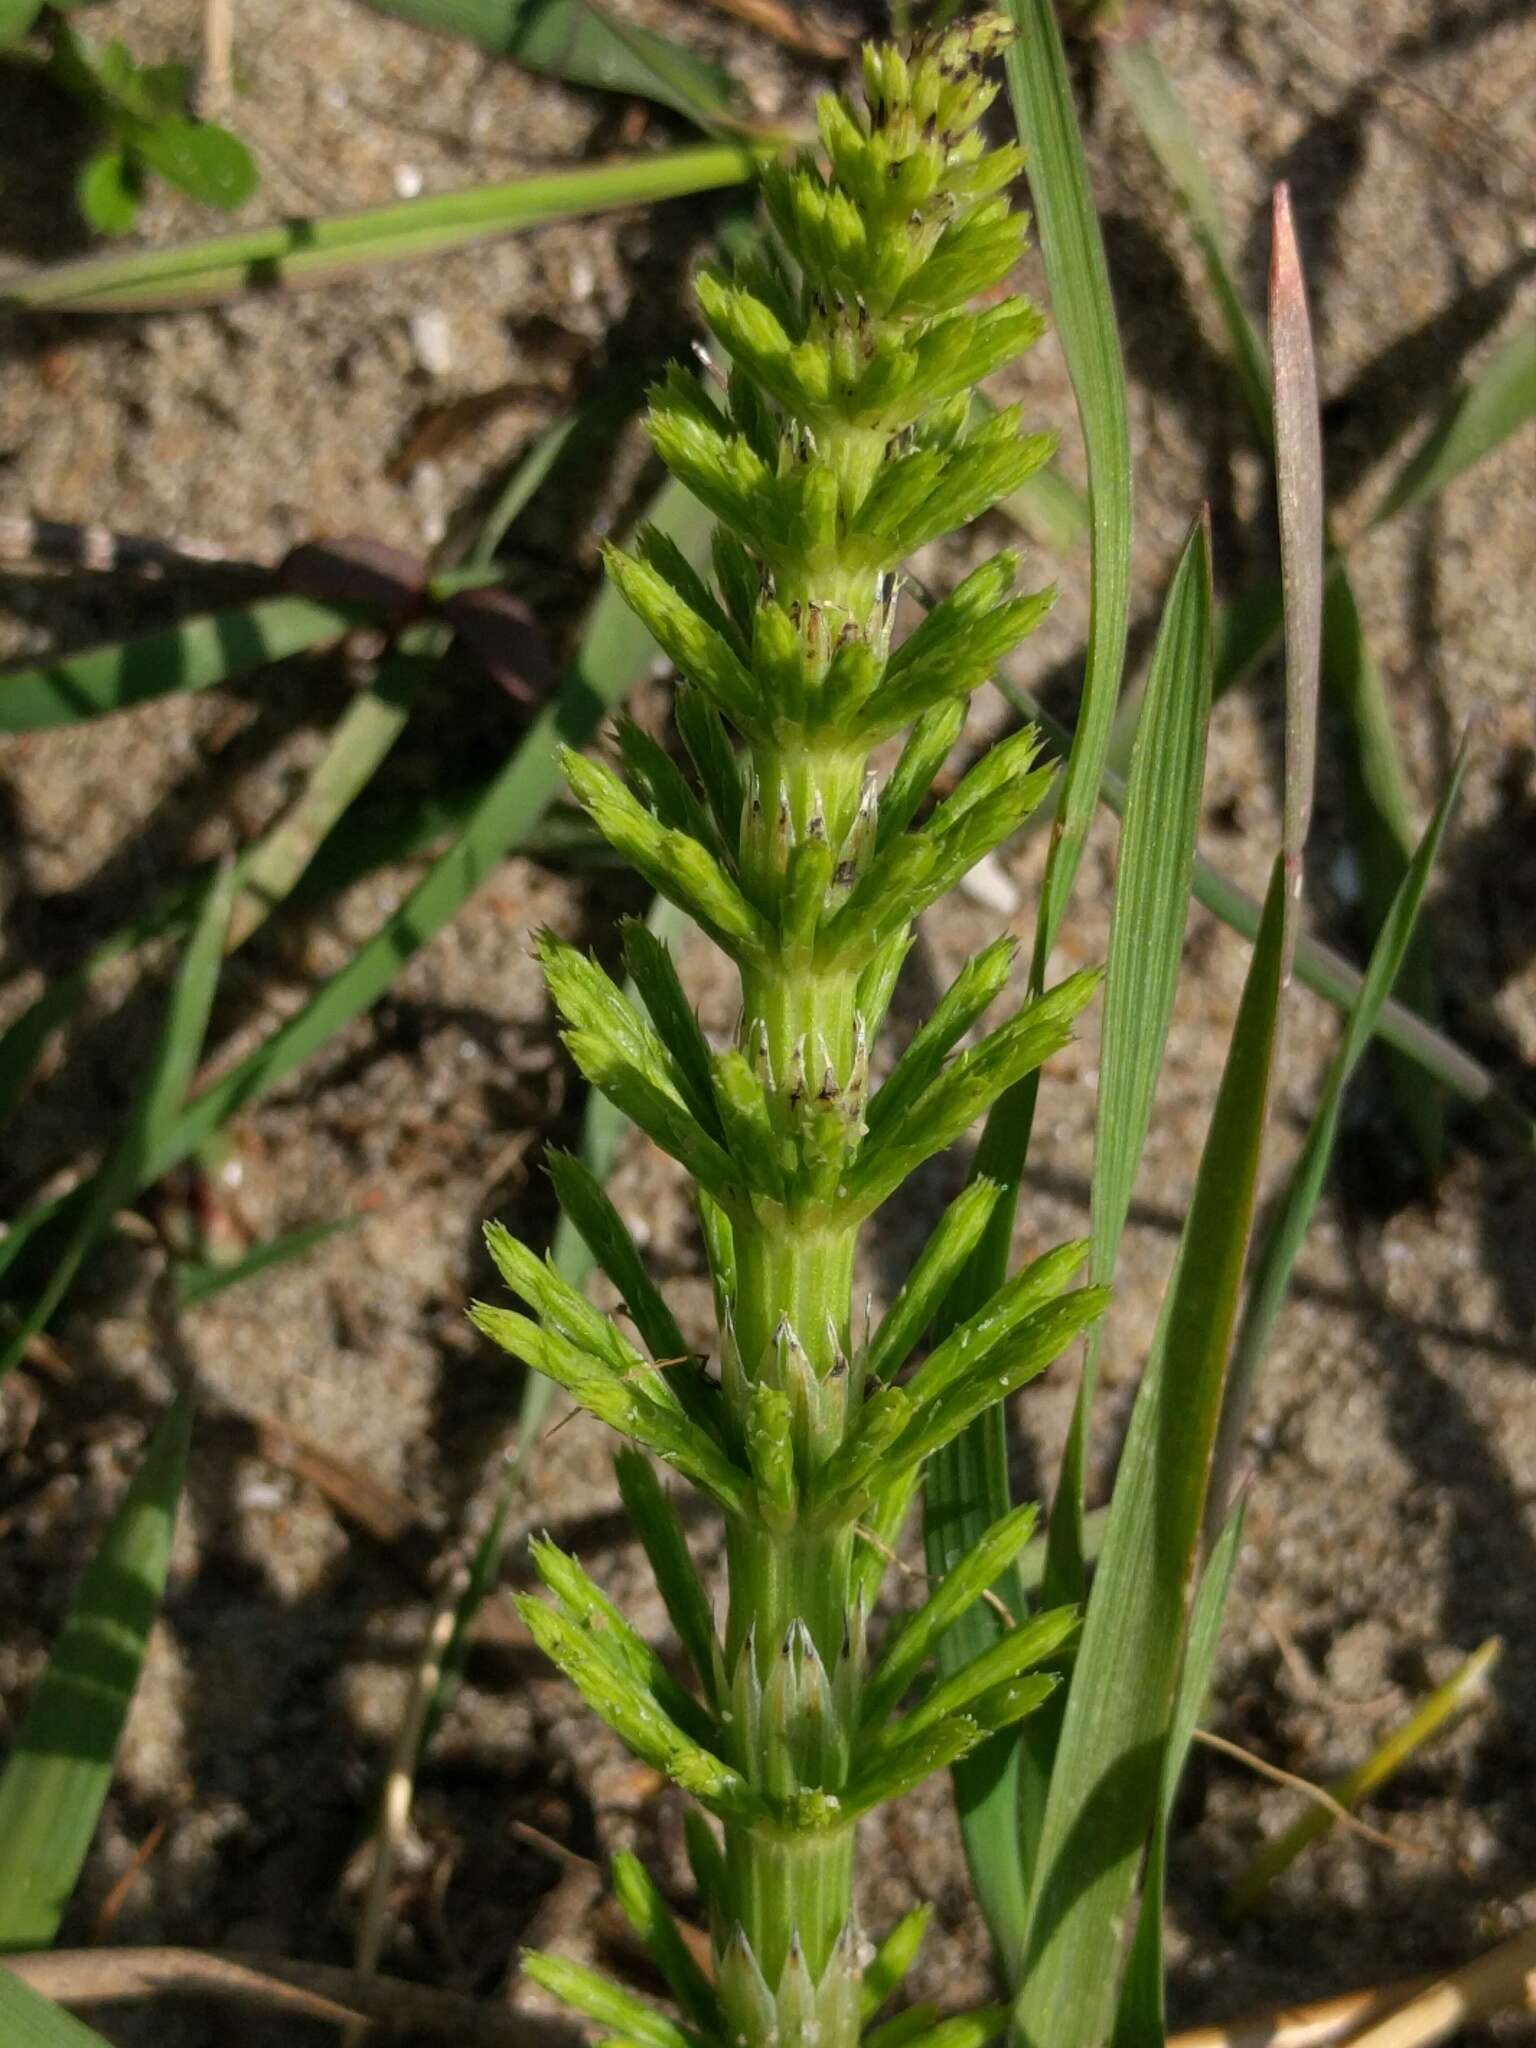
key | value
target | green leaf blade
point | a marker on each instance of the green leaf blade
(584, 45)
(314, 251)
(1157, 850)
(1495, 404)
(195, 654)
(1102, 1798)
(58, 1775)
(154, 1112)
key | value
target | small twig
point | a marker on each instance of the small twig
(386, 1515)
(400, 1784)
(1504, 1977)
(548, 1846)
(216, 86)
(1327, 2023)
(319, 1991)
(785, 25)
(1316, 1793)
(112, 1904)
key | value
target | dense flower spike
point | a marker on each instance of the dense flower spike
(841, 439)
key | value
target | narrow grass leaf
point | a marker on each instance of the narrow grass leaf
(1276, 1262)
(1498, 402)
(1142, 2018)
(57, 1776)
(603, 413)
(153, 1116)
(194, 654)
(583, 44)
(1465, 1686)
(314, 251)
(966, 1487)
(28, 2020)
(200, 1281)
(1299, 492)
(1103, 1792)
(1078, 277)
(1146, 941)
(363, 736)
(1381, 810)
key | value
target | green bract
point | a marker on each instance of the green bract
(840, 441)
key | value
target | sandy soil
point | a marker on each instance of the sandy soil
(1394, 1446)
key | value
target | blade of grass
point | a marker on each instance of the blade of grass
(197, 1282)
(194, 654)
(28, 2020)
(615, 653)
(1384, 834)
(607, 410)
(1276, 1263)
(363, 736)
(1130, 1066)
(58, 1775)
(1157, 850)
(1299, 494)
(1466, 1685)
(313, 251)
(154, 1113)
(399, 1791)
(966, 1488)
(1494, 405)
(1103, 1791)
(583, 45)
(1142, 2018)
(1078, 278)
